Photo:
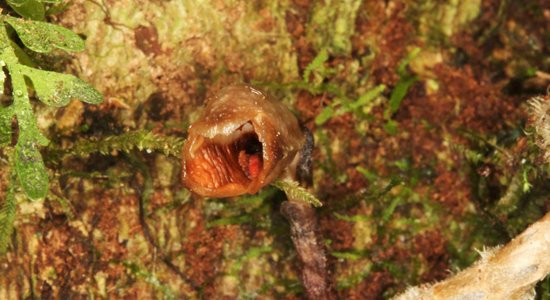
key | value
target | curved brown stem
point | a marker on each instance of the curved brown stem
(310, 250)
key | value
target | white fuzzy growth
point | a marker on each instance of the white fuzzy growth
(412, 293)
(509, 272)
(487, 253)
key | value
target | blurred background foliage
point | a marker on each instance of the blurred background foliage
(424, 150)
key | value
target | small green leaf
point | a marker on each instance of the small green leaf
(367, 97)
(30, 168)
(353, 218)
(233, 220)
(403, 164)
(398, 93)
(324, 116)
(391, 127)
(42, 37)
(388, 211)
(349, 255)
(31, 9)
(526, 184)
(402, 68)
(406, 80)
(58, 90)
(316, 64)
(369, 175)
(295, 192)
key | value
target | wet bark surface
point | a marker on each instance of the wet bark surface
(411, 185)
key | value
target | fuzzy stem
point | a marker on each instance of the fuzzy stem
(510, 272)
(126, 142)
(303, 230)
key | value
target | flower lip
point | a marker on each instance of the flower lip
(242, 142)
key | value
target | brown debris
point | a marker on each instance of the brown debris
(338, 231)
(147, 40)
(203, 248)
(372, 287)
(432, 247)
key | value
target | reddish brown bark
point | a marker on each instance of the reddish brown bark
(310, 250)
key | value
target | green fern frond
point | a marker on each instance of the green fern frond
(126, 142)
(53, 89)
(471, 155)
(316, 65)
(508, 203)
(7, 216)
(294, 191)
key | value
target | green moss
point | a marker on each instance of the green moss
(343, 95)
(140, 140)
(332, 25)
(441, 19)
(141, 274)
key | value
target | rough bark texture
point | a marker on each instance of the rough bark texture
(410, 186)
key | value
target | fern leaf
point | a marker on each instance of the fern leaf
(317, 64)
(295, 192)
(126, 142)
(7, 217)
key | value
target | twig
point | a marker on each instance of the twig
(303, 230)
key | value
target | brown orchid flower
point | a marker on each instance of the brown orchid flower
(243, 141)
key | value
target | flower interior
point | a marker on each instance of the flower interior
(236, 158)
